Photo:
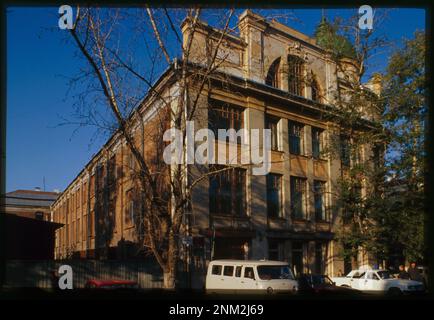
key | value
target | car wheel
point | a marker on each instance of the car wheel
(394, 292)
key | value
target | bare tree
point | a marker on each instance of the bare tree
(117, 81)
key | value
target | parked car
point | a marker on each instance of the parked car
(323, 285)
(250, 276)
(424, 272)
(378, 281)
(111, 284)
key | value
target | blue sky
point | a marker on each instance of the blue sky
(38, 64)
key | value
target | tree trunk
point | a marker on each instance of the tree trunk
(169, 280)
(171, 265)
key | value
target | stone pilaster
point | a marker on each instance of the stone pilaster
(257, 192)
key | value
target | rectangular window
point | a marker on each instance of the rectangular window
(224, 116)
(298, 197)
(316, 142)
(273, 250)
(84, 194)
(358, 194)
(216, 270)
(345, 150)
(318, 191)
(296, 138)
(319, 257)
(77, 236)
(92, 224)
(227, 192)
(274, 195)
(228, 271)
(112, 170)
(297, 257)
(271, 123)
(92, 185)
(100, 177)
(79, 199)
(249, 273)
(85, 227)
(128, 207)
(62, 236)
(67, 227)
(238, 271)
(131, 211)
(377, 155)
(112, 211)
(72, 232)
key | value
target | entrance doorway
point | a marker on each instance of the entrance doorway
(230, 248)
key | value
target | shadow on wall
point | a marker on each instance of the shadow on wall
(106, 193)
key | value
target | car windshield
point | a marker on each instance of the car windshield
(319, 279)
(384, 274)
(275, 272)
(359, 275)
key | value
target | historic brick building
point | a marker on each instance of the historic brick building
(289, 214)
(26, 215)
(34, 204)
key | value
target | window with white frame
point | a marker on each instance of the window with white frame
(296, 138)
(272, 124)
(319, 200)
(274, 195)
(298, 197)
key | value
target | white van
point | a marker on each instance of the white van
(250, 276)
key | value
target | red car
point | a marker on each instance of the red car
(111, 284)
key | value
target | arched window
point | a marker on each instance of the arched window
(316, 93)
(295, 75)
(273, 74)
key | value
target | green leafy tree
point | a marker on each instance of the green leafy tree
(328, 37)
(381, 195)
(359, 138)
(405, 112)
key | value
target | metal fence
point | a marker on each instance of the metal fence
(31, 274)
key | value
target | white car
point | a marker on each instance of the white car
(250, 276)
(378, 281)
